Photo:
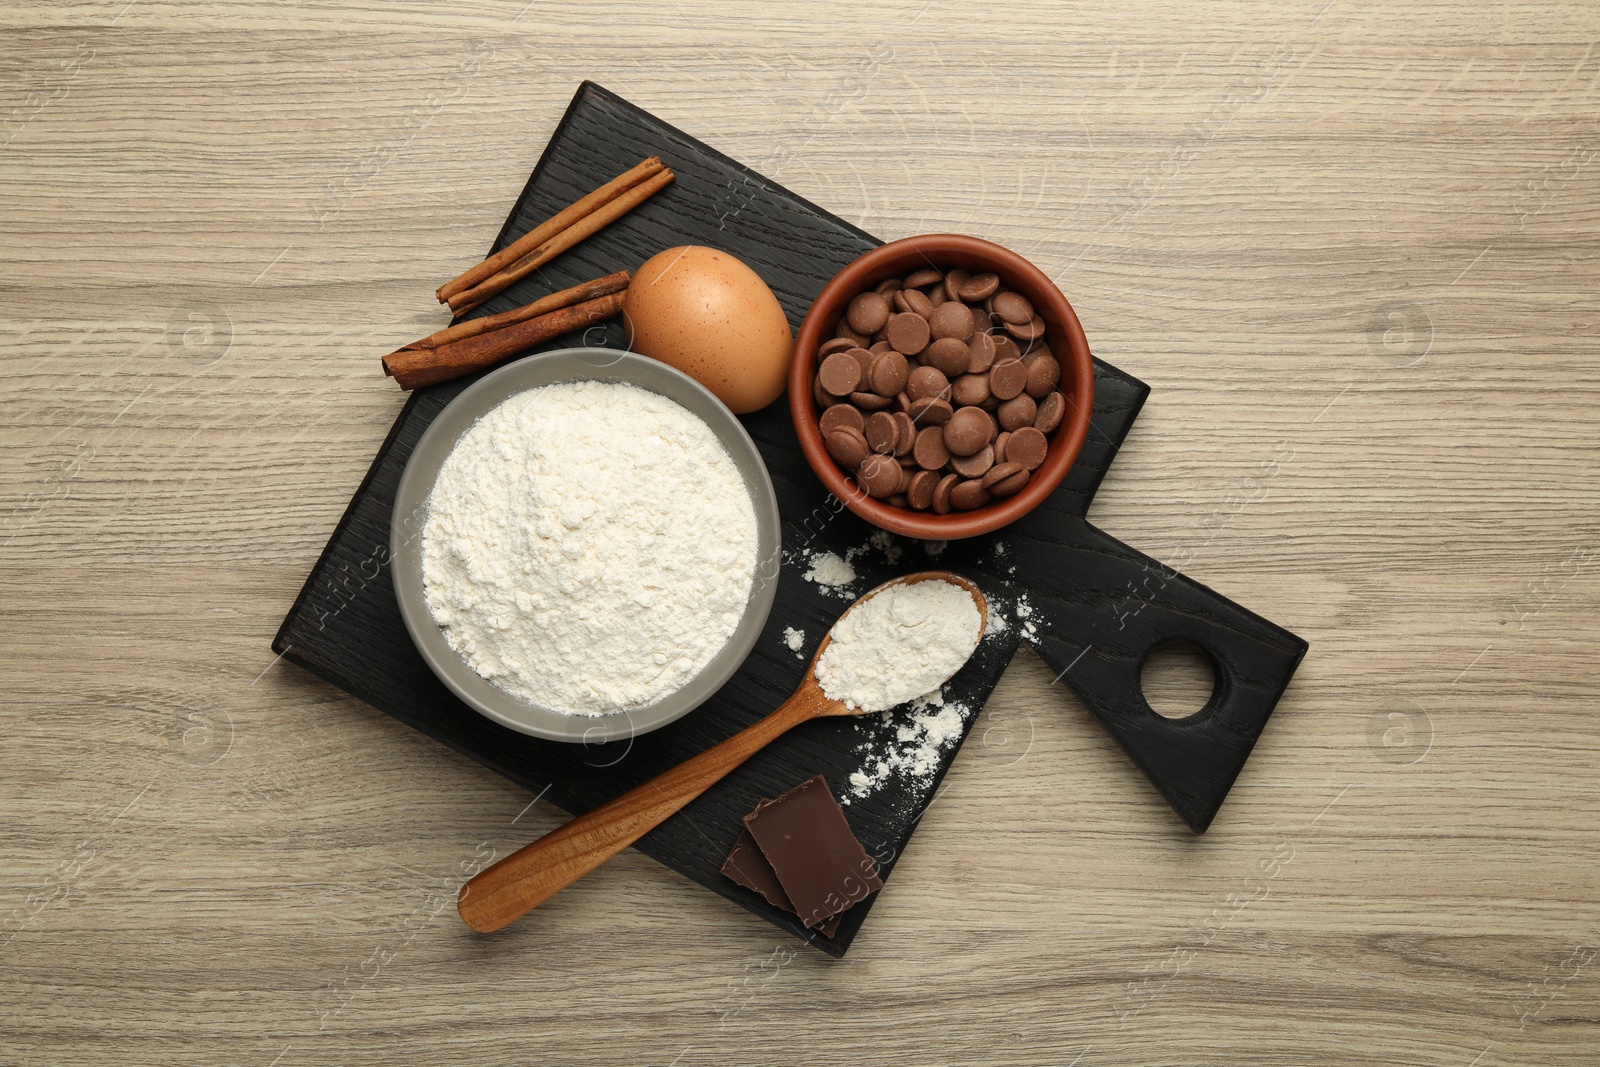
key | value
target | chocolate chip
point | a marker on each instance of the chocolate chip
(1012, 307)
(1027, 448)
(1028, 348)
(840, 374)
(905, 434)
(914, 301)
(888, 287)
(834, 344)
(925, 382)
(980, 352)
(999, 446)
(880, 347)
(931, 411)
(1043, 374)
(847, 447)
(975, 465)
(881, 432)
(954, 279)
(930, 450)
(920, 493)
(1005, 479)
(970, 389)
(859, 339)
(1012, 485)
(1029, 331)
(999, 473)
(949, 354)
(980, 321)
(1016, 413)
(941, 493)
(951, 319)
(908, 333)
(863, 358)
(979, 287)
(1005, 348)
(969, 430)
(841, 416)
(820, 396)
(888, 374)
(879, 476)
(870, 401)
(868, 312)
(899, 500)
(1007, 378)
(1051, 411)
(969, 495)
(923, 278)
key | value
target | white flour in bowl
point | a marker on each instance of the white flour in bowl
(589, 547)
(899, 644)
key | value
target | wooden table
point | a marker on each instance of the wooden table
(1354, 251)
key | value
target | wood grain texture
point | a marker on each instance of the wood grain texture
(1368, 234)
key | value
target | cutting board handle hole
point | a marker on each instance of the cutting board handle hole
(1178, 678)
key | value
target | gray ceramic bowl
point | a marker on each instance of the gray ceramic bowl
(410, 510)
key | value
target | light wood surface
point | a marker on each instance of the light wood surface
(1353, 248)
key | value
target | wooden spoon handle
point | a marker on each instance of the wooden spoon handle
(535, 873)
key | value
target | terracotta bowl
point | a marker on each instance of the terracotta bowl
(1066, 340)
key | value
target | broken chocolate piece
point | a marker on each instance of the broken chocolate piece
(819, 863)
(748, 867)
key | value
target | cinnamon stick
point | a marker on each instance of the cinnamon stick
(587, 226)
(549, 228)
(611, 283)
(415, 367)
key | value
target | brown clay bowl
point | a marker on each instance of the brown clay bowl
(1066, 340)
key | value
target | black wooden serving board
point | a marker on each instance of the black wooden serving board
(1093, 607)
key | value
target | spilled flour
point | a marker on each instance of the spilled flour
(1025, 618)
(828, 569)
(996, 623)
(883, 541)
(915, 748)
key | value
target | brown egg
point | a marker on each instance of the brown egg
(704, 312)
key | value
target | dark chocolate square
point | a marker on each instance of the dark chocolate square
(823, 869)
(748, 867)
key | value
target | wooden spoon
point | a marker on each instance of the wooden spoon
(535, 873)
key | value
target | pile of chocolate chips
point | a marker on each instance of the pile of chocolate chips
(939, 391)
